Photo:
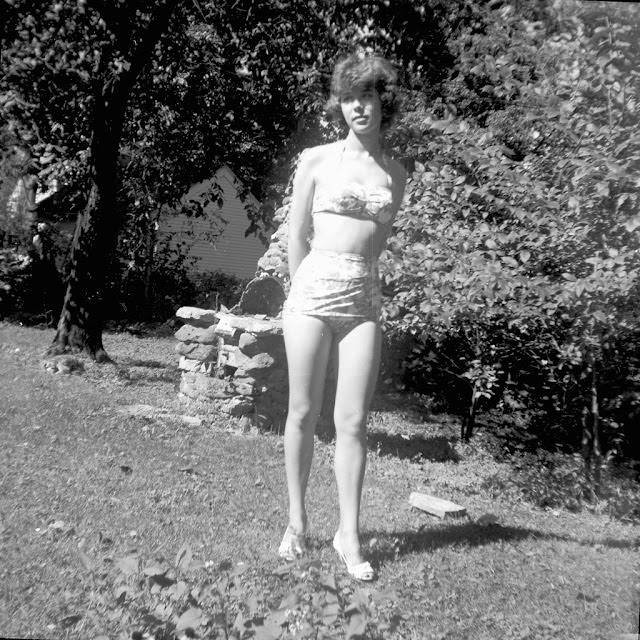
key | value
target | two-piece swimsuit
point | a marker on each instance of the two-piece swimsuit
(343, 289)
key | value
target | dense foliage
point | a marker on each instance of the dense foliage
(515, 263)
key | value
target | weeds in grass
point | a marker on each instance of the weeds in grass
(558, 480)
(152, 599)
(95, 463)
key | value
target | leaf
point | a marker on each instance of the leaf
(121, 593)
(69, 621)
(330, 612)
(155, 569)
(86, 560)
(632, 223)
(511, 262)
(184, 557)
(357, 626)
(524, 255)
(487, 519)
(328, 581)
(267, 631)
(290, 601)
(569, 276)
(282, 570)
(128, 565)
(191, 618)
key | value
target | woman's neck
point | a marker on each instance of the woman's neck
(369, 144)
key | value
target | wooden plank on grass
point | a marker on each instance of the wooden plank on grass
(436, 506)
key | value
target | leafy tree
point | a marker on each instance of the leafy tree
(173, 90)
(70, 69)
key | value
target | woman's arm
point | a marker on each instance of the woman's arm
(300, 211)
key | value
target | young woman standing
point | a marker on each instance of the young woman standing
(348, 193)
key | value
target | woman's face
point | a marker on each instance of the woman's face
(362, 110)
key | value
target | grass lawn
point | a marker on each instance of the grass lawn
(120, 521)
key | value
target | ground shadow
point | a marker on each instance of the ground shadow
(149, 364)
(433, 448)
(465, 533)
(146, 372)
(404, 447)
(401, 404)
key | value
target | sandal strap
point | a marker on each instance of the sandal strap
(292, 545)
(361, 570)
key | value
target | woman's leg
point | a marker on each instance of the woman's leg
(308, 343)
(358, 364)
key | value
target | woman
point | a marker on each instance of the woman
(348, 192)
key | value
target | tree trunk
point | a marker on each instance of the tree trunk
(595, 429)
(586, 443)
(469, 420)
(150, 252)
(591, 448)
(96, 234)
(94, 242)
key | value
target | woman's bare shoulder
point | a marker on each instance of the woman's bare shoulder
(318, 153)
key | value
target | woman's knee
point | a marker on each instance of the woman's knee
(351, 424)
(303, 414)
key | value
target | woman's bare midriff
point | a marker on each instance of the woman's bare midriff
(345, 234)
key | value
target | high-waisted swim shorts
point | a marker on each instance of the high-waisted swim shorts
(344, 287)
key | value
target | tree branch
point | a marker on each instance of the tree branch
(120, 25)
(138, 54)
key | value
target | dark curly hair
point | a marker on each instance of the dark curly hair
(362, 72)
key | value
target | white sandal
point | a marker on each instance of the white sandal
(362, 571)
(292, 546)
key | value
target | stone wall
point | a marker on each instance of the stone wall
(275, 262)
(236, 363)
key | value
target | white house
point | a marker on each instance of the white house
(216, 240)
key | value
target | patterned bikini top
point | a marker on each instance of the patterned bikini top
(356, 200)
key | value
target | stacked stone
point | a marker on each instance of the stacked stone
(274, 262)
(247, 376)
(197, 341)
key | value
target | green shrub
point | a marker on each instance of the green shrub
(515, 264)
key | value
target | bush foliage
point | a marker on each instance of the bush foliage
(515, 261)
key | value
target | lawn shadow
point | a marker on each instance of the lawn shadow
(433, 448)
(402, 405)
(149, 364)
(470, 534)
(147, 371)
(399, 445)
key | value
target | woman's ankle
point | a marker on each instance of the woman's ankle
(349, 536)
(298, 522)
